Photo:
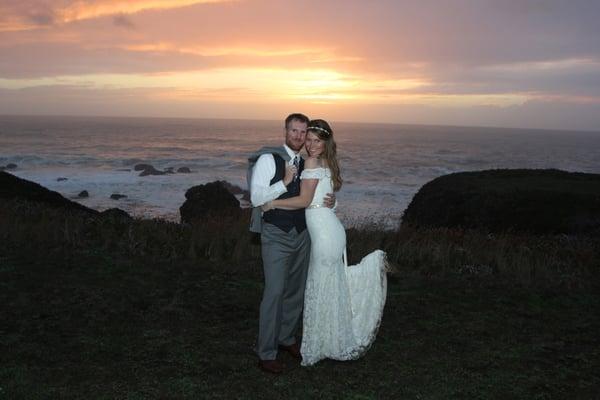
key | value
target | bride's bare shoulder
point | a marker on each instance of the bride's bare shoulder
(311, 162)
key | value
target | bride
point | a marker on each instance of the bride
(343, 304)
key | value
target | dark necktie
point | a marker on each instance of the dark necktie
(297, 165)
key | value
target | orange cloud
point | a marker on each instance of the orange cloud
(80, 10)
(26, 16)
(217, 51)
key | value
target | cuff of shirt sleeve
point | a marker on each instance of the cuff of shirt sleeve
(280, 188)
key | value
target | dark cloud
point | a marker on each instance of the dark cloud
(42, 18)
(386, 35)
(32, 12)
(569, 77)
(123, 21)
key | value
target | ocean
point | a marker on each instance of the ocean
(383, 165)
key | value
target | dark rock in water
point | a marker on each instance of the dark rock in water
(116, 196)
(148, 169)
(12, 187)
(141, 167)
(151, 171)
(519, 200)
(211, 198)
(83, 194)
(11, 166)
(116, 214)
(183, 170)
(61, 179)
(147, 172)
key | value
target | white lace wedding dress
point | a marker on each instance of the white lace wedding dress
(343, 304)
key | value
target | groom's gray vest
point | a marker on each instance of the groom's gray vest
(283, 219)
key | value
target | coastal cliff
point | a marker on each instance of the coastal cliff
(509, 200)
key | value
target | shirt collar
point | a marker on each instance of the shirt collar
(290, 152)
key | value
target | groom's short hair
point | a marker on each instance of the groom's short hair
(296, 117)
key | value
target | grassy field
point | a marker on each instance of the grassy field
(88, 324)
(110, 308)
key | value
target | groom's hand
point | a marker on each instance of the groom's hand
(267, 206)
(329, 200)
(290, 173)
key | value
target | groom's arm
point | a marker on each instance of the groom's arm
(261, 191)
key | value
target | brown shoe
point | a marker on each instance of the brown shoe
(272, 366)
(293, 349)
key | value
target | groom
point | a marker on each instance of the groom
(285, 243)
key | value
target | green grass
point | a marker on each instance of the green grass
(544, 261)
(108, 309)
(107, 328)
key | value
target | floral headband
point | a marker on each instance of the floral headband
(318, 128)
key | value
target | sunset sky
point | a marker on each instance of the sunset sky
(512, 63)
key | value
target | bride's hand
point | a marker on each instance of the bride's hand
(290, 173)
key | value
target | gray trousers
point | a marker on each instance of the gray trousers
(285, 263)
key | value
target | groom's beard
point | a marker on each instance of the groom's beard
(294, 145)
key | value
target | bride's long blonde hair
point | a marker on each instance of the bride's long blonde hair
(324, 132)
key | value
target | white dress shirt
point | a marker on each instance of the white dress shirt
(261, 191)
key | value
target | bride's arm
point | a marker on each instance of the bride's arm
(307, 191)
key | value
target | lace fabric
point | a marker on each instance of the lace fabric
(343, 305)
(323, 187)
(316, 173)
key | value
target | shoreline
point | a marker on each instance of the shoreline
(159, 197)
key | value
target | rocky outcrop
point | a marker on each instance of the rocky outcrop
(116, 214)
(12, 187)
(233, 189)
(236, 190)
(117, 196)
(83, 194)
(147, 169)
(519, 200)
(147, 172)
(141, 167)
(8, 167)
(212, 198)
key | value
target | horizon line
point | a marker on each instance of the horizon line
(272, 120)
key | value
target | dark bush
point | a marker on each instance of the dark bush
(520, 200)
